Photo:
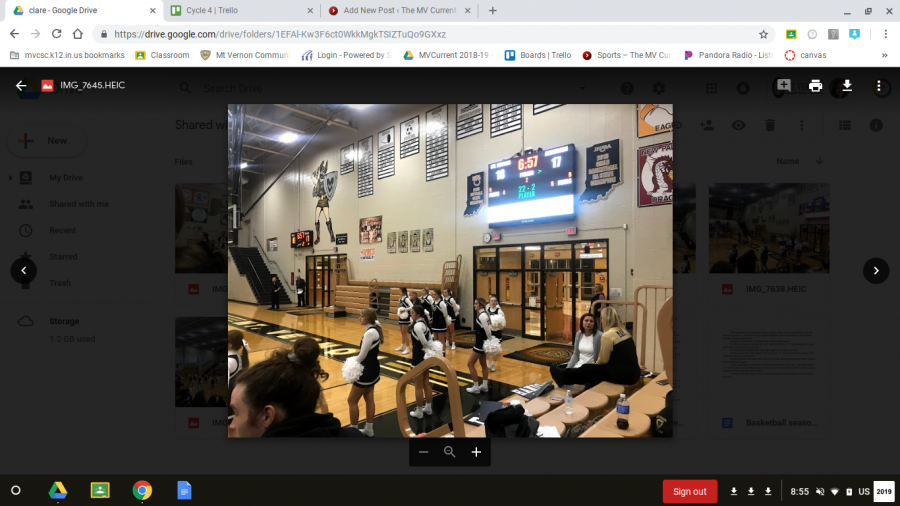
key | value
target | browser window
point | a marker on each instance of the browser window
(414, 287)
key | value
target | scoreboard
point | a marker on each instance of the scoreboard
(302, 239)
(535, 188)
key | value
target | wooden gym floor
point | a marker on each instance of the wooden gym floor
(266, 331)
(719, 248)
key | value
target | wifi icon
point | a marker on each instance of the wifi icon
(835, 490)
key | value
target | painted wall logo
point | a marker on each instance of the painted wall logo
(654, 119)
(367, 254)
(655, 179)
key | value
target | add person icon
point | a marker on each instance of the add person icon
(26, 204)
(707, 127)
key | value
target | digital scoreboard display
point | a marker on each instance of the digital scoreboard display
(534, 188)
(302, 239)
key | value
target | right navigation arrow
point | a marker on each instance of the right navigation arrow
(876, 270)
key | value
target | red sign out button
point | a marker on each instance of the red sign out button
(690, 491)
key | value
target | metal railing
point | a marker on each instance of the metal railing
(284, 279)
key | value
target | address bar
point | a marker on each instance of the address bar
(507, 33)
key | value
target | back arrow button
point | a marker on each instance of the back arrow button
(14, 33)
(20, 86)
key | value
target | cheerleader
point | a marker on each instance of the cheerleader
(365, 385)
(496, 316)
(427, 303)
(421, 336)
(452, 312)
(238, 354)
(439, 318)
(482, 331)
(405, 306)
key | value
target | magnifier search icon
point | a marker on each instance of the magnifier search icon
(449, 451)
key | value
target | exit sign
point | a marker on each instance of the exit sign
(496, 236)
(572, 230)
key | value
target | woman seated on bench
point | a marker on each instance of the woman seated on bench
(597, 358)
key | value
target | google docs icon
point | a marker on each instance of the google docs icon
(509, 55)
(184, 491)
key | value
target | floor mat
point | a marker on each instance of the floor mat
(307, 311)
(544, 354)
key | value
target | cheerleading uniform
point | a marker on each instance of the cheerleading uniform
(368, 357)
(421, 336)
(439, 317)
(482, 329)
(405, 302)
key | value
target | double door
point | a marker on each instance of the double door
(323, 274)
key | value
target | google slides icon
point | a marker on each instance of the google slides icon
(142, 490)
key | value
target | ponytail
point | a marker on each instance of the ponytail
(236, 341)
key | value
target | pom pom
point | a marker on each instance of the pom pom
(352, 370)
(492, 347)
(434, 349)
(403, 313)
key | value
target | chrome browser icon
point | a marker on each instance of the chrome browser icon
(142, 490)
(58, 491)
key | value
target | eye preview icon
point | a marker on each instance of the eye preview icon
(142, 490)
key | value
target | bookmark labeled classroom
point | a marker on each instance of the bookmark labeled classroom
(24, 271)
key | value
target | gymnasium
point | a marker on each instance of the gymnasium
(769, 228)
(335, 209)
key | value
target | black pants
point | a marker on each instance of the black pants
(275, 302)
(301, 299)
(588, 375)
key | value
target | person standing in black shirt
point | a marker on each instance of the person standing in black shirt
(301, 291)
(276, 292)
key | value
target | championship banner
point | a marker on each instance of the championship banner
(469, 120)
(370, 230)
(655, 174)
(409, 137)
(654, 119)
(347, 159)
(505, 118)
(539, 108)
(603, 171)
(437, 144)
(386, 153)
(474, 194)
(365, 179)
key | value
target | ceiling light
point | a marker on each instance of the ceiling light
(288, 137)
(358, 107)
(244, 165)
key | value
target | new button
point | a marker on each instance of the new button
(690, 491)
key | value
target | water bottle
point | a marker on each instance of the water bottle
(569, 407)
(622, 409)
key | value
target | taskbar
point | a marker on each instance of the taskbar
(549, 487)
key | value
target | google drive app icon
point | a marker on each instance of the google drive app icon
(18, 10)
(58, 491)
(408, 55)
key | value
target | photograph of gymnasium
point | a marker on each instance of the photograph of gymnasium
(531, 290)
(684, 219)
(769, 228)
(201, 374)
(201, 222)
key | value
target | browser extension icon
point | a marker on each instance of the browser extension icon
(509, 55)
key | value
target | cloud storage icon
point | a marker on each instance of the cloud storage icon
(25, 321)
